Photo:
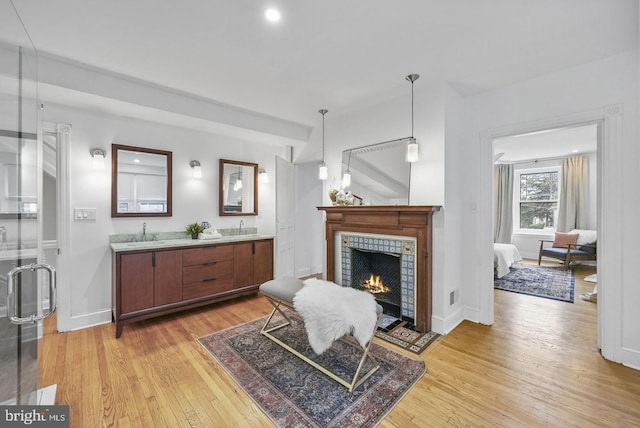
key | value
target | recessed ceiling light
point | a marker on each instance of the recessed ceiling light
(272, 15)
(575, 151)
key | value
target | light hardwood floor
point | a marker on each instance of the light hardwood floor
(538, 365)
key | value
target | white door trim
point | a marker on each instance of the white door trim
(610, 199)
(63, 263)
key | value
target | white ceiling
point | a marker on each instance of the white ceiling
(334, 54)
(547, 144)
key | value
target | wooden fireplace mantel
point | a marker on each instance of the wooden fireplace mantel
(410, 220)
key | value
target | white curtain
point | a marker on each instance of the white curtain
(573, 212)
(503, 203)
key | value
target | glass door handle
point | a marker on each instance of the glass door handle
(12, 302)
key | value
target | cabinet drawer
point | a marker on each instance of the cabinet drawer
(207, 271)
(206, 288)
(198, 256)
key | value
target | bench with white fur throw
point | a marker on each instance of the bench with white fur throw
(329, 312)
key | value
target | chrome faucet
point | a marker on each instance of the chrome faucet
(144, 231)
(3, 231)
(240, 228)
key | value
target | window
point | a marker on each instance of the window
(537, 199)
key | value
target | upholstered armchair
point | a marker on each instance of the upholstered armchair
(573, 246)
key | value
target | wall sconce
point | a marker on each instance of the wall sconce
(346, 178)
(197, 169)
(263, 176)
(98, 156)
(412, 147)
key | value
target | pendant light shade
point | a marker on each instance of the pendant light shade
(412, 146)
(412, 150)
(323, 172)
(346, 178)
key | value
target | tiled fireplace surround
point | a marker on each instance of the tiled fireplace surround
(393, 224)
(403, 249)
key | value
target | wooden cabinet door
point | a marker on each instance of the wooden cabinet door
(136, 282)
(168, 277)
(243, 264)
(263, 262)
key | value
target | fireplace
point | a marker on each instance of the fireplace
(401, 238)
(383, 265)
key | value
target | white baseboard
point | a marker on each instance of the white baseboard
(630, 358)
(471, 314)
(87, 320)
(308, 271)
(447, 324)
(301, 273)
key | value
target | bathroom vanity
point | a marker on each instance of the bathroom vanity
(155, 278)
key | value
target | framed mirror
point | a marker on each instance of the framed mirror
(238, 188)
(140, 182)
(380, 175)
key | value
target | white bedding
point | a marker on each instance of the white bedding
(504, 255)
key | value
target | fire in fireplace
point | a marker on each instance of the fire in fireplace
(367, 266)
(383, 267)
(374, 285)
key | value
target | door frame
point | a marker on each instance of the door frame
(63, 234)
(610, 199)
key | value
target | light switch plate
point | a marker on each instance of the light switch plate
(82, 214)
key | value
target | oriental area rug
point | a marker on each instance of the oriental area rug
(294, 394)
(403, 334)
(539, 281)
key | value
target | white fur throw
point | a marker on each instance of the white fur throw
(330, 311)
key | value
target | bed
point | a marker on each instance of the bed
(504, 255)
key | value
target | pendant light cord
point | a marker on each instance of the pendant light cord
(412, 109)
(412, 78)
(322, 137)
(323, 112)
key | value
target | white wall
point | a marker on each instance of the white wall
(592, 86)
(193, 199)
(387, 121)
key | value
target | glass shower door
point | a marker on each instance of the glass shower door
(27, 288)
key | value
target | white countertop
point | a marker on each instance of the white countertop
(118, 247)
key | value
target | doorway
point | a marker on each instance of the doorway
(536, 159)
(609, 205)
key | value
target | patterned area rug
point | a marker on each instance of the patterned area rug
(294, 394)
(403, 334)
(539, 281)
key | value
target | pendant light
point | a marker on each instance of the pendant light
(346, 178)
(323, 173)
(412, 147)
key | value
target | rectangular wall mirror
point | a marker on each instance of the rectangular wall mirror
(380, 175)
(140, 182)
(238, 188)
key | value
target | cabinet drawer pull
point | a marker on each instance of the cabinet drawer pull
(209, 263)
(209, 279)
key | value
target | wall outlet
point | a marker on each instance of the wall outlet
(452, 297)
